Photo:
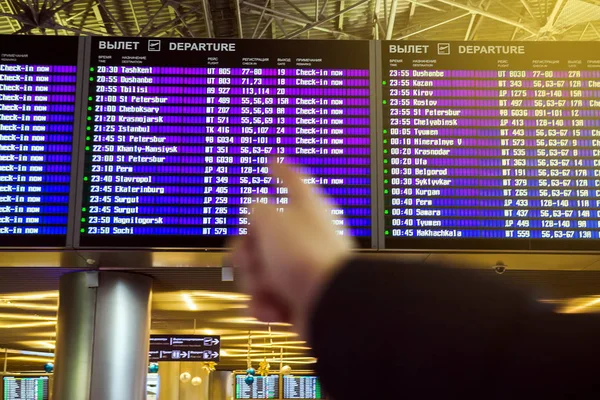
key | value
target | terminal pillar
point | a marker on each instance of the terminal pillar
(103, 335)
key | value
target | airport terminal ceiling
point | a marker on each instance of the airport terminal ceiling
(195, 299)
(308, 19)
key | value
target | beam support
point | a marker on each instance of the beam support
(295, 7)
(392, 20)
(208, 19)
(238, 15)
(99, 18)
(411, 13)
(417, 3)
(432, 27)
(111, 17)
(296, 20)
(552, 17)
(584, 31)
(322, 12)
(313, 25)
(276, 25)
(595, 30)
(260, 18)
(514, 35)
(480, 19)
(528, 9)
(471, 21)
(267, 25)
(376, 24)
(487, 14)
(137, 25)
(149, 23)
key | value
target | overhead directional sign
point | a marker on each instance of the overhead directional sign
(184, 348)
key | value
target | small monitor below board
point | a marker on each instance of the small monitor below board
(263, 387)
(302, 387)
(25, 388)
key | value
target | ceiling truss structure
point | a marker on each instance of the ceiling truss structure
(317, 19)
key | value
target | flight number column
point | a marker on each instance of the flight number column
(513, 128)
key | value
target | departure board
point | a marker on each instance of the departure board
(491, 145)
(302, 387)
(180, 133)
(25, 388)
(264, 387)
(37, 110)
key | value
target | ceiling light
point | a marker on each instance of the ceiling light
(248, 321)
(29, 358)
(34, 344)
(27, 325)
(28, 306)
(31, 296)
(258, 336)
(575, 306)
(189, 302)
(222, 296)
(29, 317)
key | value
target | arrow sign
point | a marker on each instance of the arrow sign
(211, 342)
(210, 355)
(187, 347)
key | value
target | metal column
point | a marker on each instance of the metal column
(103, 336)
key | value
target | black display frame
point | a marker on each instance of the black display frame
(57, 49)
(192, 242)
(422, 244)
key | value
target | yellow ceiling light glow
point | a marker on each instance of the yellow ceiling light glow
(248, 321)
(221, 296)
(275, 344)
(44, 335)
(35, 344)
(189, 302)
(28, 317)
(31, 296)
(580, 305)
(269, 355)
(28, 306)
(280, 346)
(288, 361)
(27, 325)
(31, 358)
(258, 336)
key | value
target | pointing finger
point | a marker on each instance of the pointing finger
(299, 192)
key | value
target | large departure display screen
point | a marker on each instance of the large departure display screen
(25, 388)
(37, 109)
(179, 134)
(263, 387)
(491, 145)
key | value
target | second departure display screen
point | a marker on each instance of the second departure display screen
(491, 145)
(38, 84)
(179, 134)
(302, 387)
(25, 388)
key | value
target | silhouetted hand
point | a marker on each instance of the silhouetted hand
(287, 258)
